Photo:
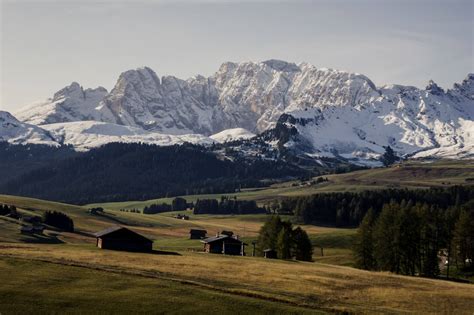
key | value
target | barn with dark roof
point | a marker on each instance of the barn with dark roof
(121, 238)
(224, 244)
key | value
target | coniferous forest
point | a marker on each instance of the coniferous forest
(411, 238)
(119, 171)
(348, 209)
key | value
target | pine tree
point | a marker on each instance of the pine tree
(303, 249)
(463, 240)
(284, 243)
(267, 238)
(386, 234)
(389, 157)
(364, 245)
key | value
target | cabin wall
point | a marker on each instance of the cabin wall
(125, 245)
(233, 249)
(197, 236)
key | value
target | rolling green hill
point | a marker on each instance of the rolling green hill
(412, 175)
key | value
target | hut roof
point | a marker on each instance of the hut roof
(197, 230)
(116, 228)
(269, 250)
(221, 238)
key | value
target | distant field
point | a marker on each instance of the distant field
(254, 282)
(413, 175)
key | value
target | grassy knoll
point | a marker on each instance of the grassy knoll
(407, 175)
(308, 285)
(35, 287)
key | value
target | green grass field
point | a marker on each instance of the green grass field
(54, 288)
(60, 272)
(78, 273)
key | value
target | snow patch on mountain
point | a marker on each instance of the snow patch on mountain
(72, 103)
(85, 135)
(415, 123)
(232, 134)
(16, 132)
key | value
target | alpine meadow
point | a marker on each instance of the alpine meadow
(249, 168)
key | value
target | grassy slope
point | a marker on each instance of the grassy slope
(301, 283)
(169, 233)
(46, 288)
(309, 285)
(409, 175)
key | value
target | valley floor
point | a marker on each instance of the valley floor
(73, 277)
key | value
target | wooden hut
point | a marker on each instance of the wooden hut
(224, 244)
(197, 234)
(121, 238)
(270, 253)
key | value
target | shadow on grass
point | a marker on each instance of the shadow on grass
(41, 239)
(165, 253)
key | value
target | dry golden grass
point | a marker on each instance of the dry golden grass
(311, 285)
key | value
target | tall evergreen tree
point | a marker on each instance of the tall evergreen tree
(387, 235)
(389, 157)
(364, 244)
(303, 249)
(284, 243)
(267, 238)
(463, 241)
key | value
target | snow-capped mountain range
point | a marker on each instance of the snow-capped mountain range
(334, 113)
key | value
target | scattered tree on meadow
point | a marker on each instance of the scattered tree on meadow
(389, 157)
(284, 242)
(303, 249)
(59, 220)
(288, 242)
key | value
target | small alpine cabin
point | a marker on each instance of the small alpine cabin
(197, 234)
(270, 253)
(224, 244)
(121, 238)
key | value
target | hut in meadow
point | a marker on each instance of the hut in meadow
(197, 234)
(224, 244)
(121, 238)
(270, 253)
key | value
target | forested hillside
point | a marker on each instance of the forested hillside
(348, 209)
(121, 171)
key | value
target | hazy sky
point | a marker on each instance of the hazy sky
(47, 45)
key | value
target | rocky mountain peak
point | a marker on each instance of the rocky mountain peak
(280, 65)
(72, 90)
(434, 88)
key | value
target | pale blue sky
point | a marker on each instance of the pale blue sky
(47, 45)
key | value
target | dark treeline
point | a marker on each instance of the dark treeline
(157, 208)
(412, 239)
(119, 171)
(226, 206)
(177, 204)
(17, 160)
(347, 209)
(288, 243)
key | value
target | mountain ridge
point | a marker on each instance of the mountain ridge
(336, 113)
